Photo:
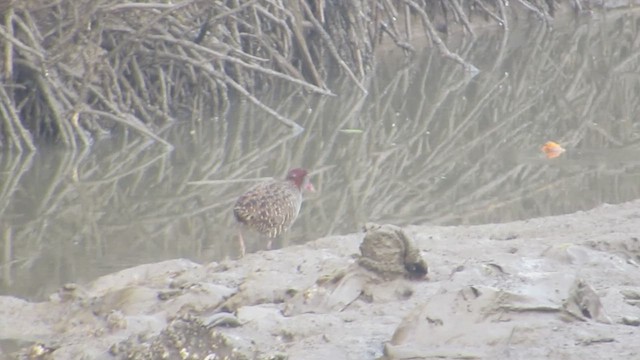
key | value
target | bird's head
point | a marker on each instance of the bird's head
(300, 178)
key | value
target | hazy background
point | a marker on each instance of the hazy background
(429, 144)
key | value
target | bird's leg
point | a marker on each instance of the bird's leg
(269, 244)
(241, 243)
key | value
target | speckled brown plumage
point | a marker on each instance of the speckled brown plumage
(270, 208)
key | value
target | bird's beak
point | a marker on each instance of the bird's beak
(309, 187)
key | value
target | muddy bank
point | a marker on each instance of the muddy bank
(563, 287)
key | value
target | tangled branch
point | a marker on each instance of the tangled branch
(74, 70)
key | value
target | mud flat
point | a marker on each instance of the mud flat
(564, 287)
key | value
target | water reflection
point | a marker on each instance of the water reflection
(427, 145)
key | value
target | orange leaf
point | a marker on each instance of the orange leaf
(552, 150)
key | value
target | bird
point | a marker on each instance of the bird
(269, 208)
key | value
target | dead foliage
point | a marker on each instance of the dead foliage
(75, 70)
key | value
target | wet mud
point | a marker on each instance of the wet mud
(563, 287)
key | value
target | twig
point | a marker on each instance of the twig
(331, 46)
(129, 121)
(433, 34)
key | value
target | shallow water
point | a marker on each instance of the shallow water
(429, 144)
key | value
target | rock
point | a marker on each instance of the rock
(630, 294)
(386, 253)
(328, 294)
(183, 338)
(583, 303)
(631, 321)
(390, 252)
(256, 290)
(625, 246)
(463, 315)
(567, 253)
(151, 275)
